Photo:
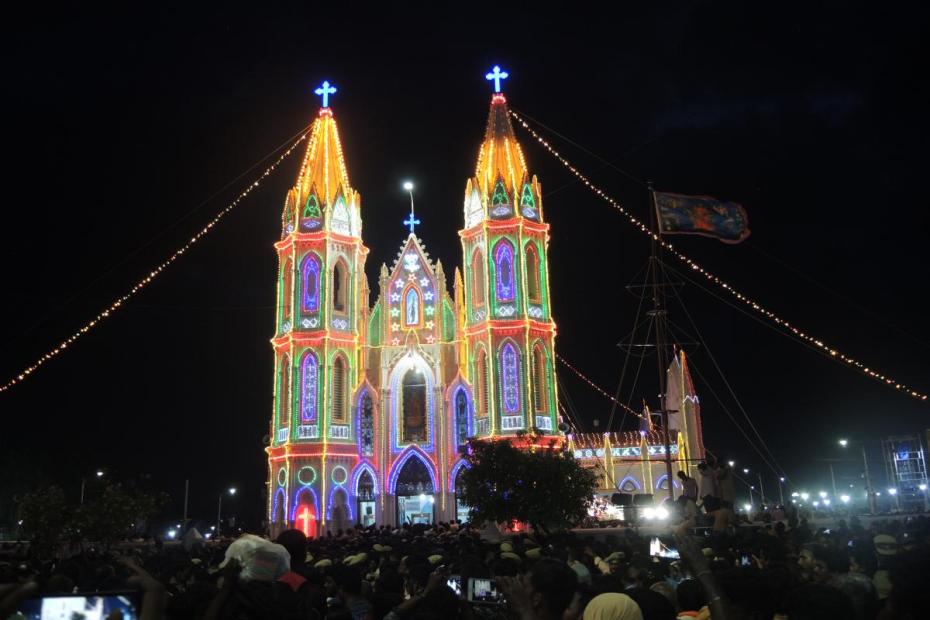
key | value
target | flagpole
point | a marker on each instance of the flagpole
(659, 317)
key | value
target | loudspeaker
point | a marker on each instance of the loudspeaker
(642, 499)
(621, 499)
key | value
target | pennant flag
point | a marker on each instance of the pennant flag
(701, 215)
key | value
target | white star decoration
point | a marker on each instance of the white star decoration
(428, 295)
(395, 311)
(395, 341)
(395, 327)
(429, 325)
(398, 283)
(424, 281)
(430, 340)
(395, 296)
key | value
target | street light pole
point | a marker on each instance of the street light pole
(219, 508)
(833, 480)
(868, 481)
(761, 490)
(781, 490)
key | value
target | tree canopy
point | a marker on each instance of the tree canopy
(539, 485)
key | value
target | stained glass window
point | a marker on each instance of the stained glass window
(339, 390)
(310, 273)
(309, 375)
(510, 378)
(461, 417)
(503, 259)
(500, 194)
(367, 426)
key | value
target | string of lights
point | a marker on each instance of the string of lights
(598, 388)
(154, 273)
(696, 267)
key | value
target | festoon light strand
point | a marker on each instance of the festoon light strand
(598, 388)
(154, 273)
(755, 306)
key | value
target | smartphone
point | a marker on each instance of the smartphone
(455, 582)
(745, 559)
(90, 606)
(658, 550)
(484, 591)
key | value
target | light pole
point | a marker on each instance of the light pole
(781, 490)
(833, 480)
(868, 481)
(761, 492)
(99, 474)
(219, 509)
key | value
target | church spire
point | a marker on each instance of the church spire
(500, 156)
(323, 170)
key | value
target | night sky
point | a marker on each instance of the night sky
(119, 125)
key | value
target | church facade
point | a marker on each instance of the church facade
(374, 402)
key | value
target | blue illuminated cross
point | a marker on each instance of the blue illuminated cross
(325, 90)
(411, 221)
(497, 75)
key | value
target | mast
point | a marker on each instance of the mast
(659, 319)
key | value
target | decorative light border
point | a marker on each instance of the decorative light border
(309, 386)
(154, 273)
(362, 467)
(400, 461)
(454, 472)
(401, 369)
(509, 377)
(345, 475)
(303, 469)
(316, 502)
(635, 482)
(504, 249)
(279, 493)
(746, 300)
(281, 478)
(350, 499)
(310, 296)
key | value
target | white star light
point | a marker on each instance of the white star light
(395, 296)
(398, 283)
(428, 295)
(424, 281)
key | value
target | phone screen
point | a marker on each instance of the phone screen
(455, 582)
(658, 550)
(96, 606)
(745, 560)
(484, 591)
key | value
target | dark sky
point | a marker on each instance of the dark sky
(119, 124)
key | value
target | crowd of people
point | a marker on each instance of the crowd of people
(449, 571)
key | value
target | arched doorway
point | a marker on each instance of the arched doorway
(414, 492)
(414, 406)
(339, 511)
(365, 495)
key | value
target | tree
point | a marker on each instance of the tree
(45, 515)
(115, 513)
(541, 485)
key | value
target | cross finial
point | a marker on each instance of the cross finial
(325, 90)
(496, 75)
(411, 221)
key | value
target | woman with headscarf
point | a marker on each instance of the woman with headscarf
(612, 606)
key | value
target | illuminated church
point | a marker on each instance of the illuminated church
(373, 402)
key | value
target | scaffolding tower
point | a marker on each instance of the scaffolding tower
(906, 469)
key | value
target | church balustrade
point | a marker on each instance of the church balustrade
(308, 431)
(339, 431)
(283, 433)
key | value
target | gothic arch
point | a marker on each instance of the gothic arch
(401, 366)
(505, 280)
(539, 371)
(284, 408)
(279, 506)
(297, 495)
(340, 388)
(412, 452)
(479, 283)
(341, 286)
(623, 485)
(662, 479)
(457, 389)
(365, 391)
(334, 492)
(482, 382)
(510, 376)
(454, 473)
(309, 386)
(287, 274)
(361, 468)
(533, 275)
(310, 268)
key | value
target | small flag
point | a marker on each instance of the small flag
(701, 215)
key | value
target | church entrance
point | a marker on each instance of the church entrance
(461, 508)
(365, 495)
(414, 492)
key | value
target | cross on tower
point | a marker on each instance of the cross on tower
(325, 90)
(411, 221)
(497, 75)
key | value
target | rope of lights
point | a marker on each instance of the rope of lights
(598, 388)
(113, 307)
(695, 266)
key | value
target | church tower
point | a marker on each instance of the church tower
(509, 331)
(321, 310)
